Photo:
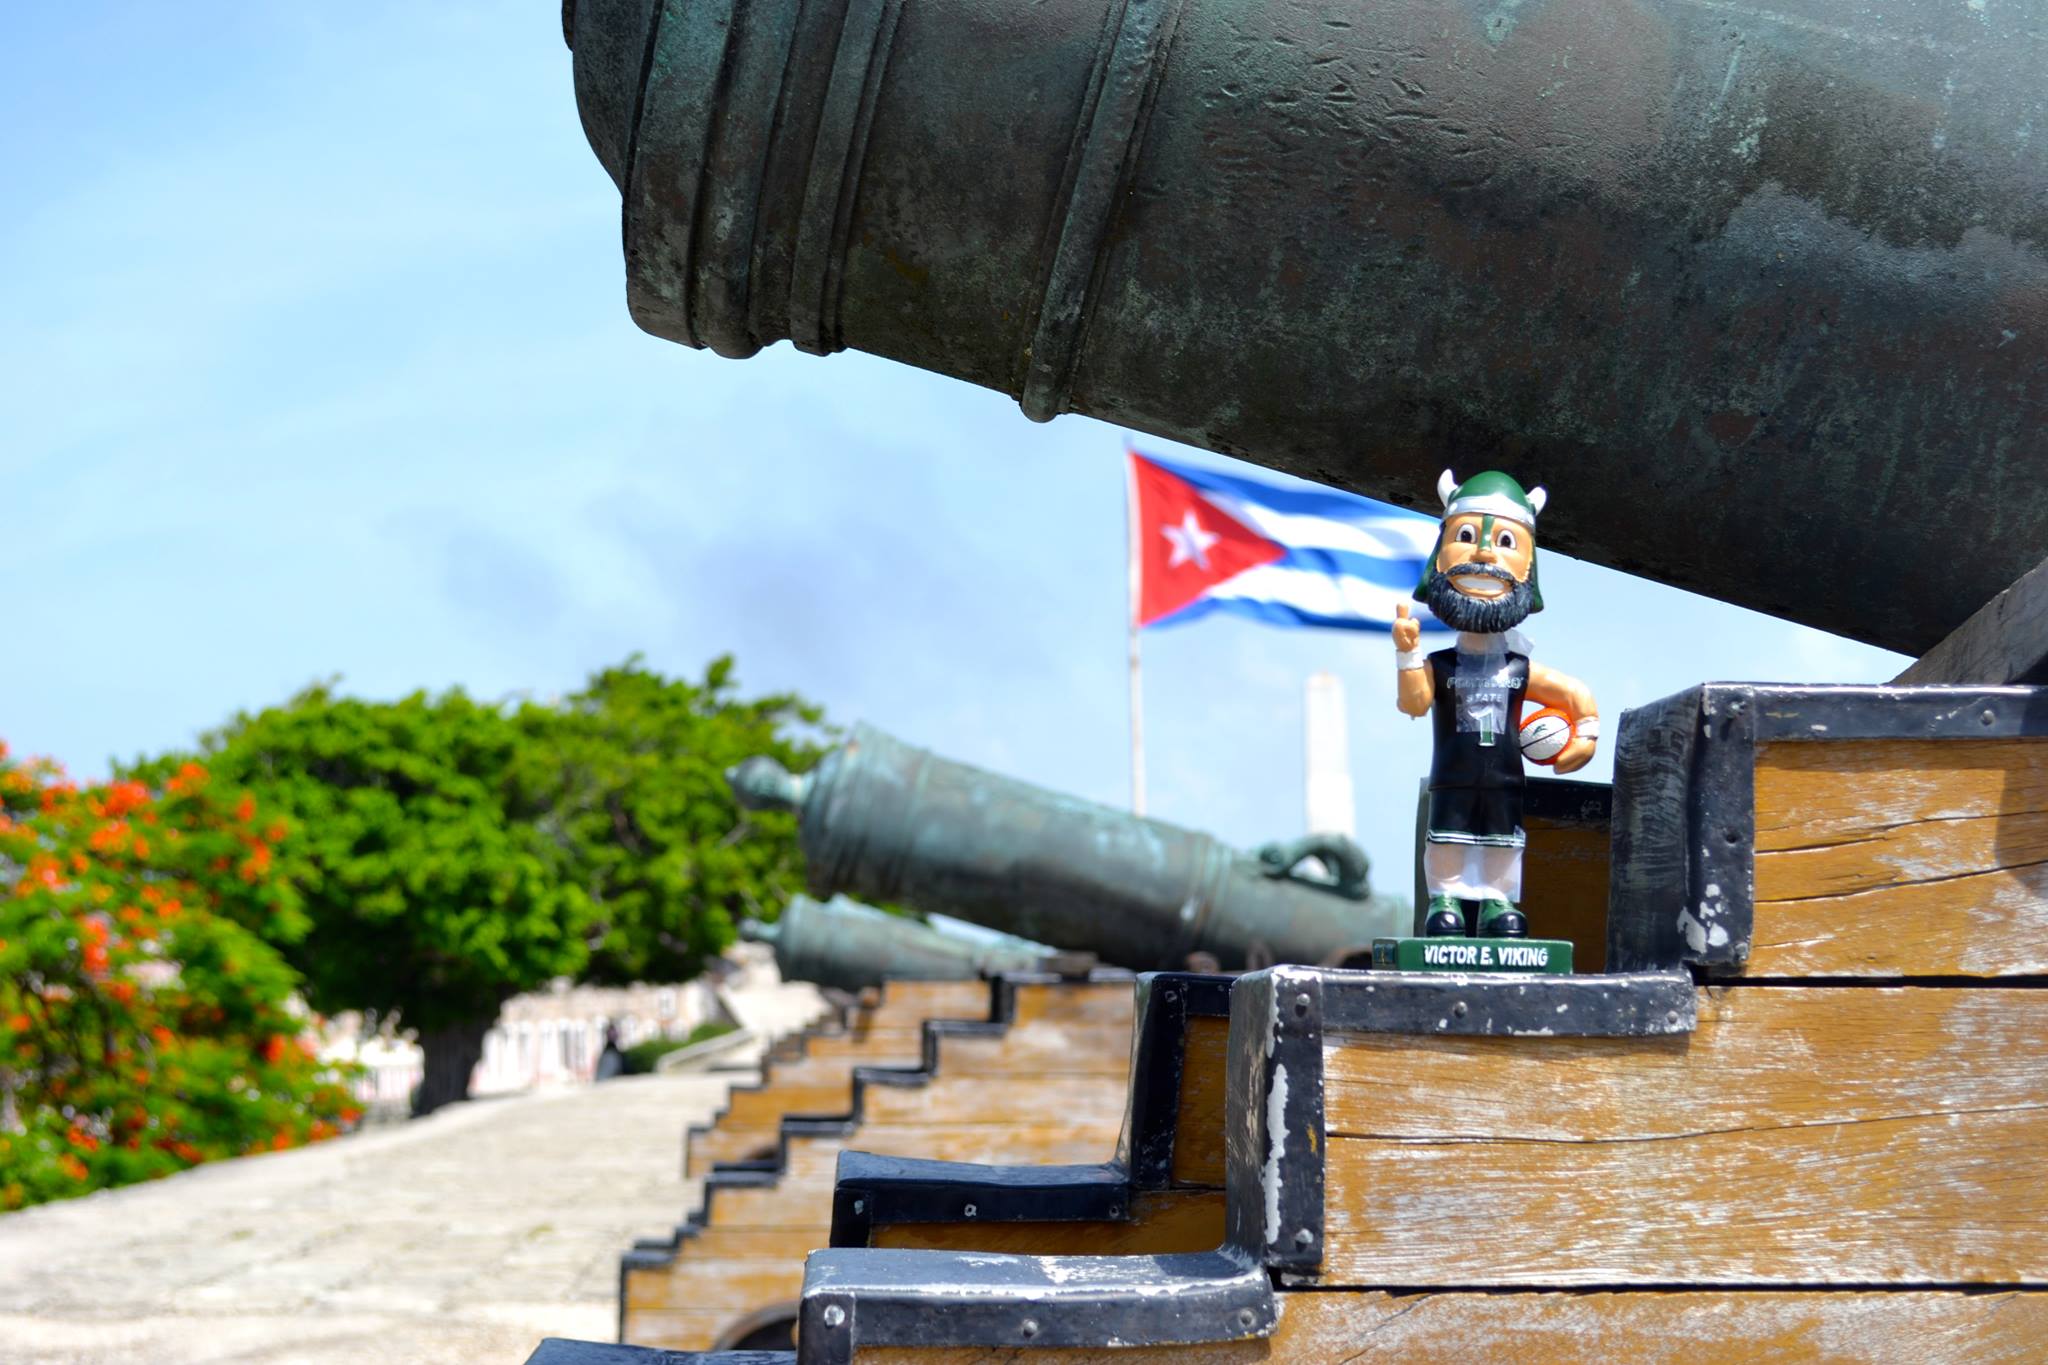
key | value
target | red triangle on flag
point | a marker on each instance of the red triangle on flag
(1182, 544)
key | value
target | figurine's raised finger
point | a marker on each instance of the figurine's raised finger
(1400, 611)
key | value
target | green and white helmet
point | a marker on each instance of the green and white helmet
(1492, 493)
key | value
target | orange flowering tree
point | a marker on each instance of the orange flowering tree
(147, 1022)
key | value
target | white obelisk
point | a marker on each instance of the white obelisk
(1331, 805)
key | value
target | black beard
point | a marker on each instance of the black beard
(1480, 615)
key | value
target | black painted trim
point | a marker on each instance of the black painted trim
(562, 1351)
(1166, 1002)
(866, 1298)
(873, 1189)
(1459, 1005)
(1273, 1115)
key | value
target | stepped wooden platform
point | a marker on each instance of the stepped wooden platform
(1040, 1076)
(813, 1072)
(1162, 1192)
(1800, 1118)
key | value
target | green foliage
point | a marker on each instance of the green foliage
(449, 853)
(626, 779)
(145, 1022)
(424, 896)
(641, 1057)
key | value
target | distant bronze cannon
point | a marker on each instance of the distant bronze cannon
(883, 821)
(850, 946)
(1761, 295)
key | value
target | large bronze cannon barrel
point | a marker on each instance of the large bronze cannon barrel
(881, 820)
(850, 946)
(1760, 293)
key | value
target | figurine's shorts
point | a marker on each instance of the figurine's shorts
(1490, 817)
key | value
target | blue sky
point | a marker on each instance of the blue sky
(314, 360)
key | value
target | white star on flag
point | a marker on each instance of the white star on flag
(1189, 541)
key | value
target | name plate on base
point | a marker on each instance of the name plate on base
(1548, 955)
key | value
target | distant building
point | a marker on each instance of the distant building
(545, 1037)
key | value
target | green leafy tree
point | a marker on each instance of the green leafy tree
(426, 899)
(626, 780)
(146, 1022)
(451, 853)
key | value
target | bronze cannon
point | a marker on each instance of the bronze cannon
(844, 944)
(884, 821)
(1740, 285)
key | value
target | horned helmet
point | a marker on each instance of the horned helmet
(1492, 494)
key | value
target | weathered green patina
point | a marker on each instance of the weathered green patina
(1738, 283)
(883, 821)
(850, 946)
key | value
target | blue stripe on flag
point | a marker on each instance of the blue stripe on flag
(1387, 573)
(1281, 614)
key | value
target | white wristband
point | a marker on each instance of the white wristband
(1405, 659)
(1586, 727)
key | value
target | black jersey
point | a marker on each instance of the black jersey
(1478, 717)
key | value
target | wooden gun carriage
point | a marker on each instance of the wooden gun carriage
(1763, 1125)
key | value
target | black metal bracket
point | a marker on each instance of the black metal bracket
(867, 1298)
(873, 1190)
(562, 1351)
(1683, 890)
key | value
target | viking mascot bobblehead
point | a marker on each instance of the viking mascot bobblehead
(1481, 582)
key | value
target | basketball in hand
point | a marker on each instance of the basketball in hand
(1544, 735)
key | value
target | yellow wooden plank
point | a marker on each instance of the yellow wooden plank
(1802, 1135)
(1814, 793)
(1901, 858)
(1564, 888)
(734, 1286)
(1198, 1126)
(729, 1144)
(910, 1003)
(962, 1097)
(1925, 1328)
(692, 1329)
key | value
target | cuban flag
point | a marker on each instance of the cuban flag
(1203, 541)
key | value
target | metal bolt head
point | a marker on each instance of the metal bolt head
(1302, 1237)
(860, 1205)
(834, 1315)
(1029, 1327)
(968, 1212)
(1459, 1009)
(1246, 1317)
(1301, 1004)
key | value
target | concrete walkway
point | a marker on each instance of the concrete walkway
(464, 1237)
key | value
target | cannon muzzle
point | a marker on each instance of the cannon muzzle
(1759, 293)
(851, 946)
(883, 821)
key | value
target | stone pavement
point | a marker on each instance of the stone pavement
(464, 1237)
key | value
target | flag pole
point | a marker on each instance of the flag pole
(1135, 588)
